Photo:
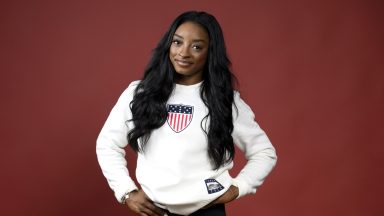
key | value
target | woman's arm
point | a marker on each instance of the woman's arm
(110, 146)
(259, 152)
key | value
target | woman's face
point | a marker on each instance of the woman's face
(188, 53)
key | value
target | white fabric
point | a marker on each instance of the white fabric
(175, 165)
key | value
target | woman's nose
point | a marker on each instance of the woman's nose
(183, 52)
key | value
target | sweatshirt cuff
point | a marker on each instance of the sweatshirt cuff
(122, 190)
(243, 186)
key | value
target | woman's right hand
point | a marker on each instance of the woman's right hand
(139, 203)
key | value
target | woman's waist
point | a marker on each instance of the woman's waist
(182, 194)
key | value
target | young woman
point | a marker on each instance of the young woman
(183, 119)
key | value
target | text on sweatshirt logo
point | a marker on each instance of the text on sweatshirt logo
(213, 186)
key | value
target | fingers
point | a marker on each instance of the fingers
(231, 194)
(148, 209)
(234, 192)
(154, 209)
(149, 212)
(142, 205)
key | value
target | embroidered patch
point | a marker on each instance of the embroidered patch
(179, 116)
(213, 186)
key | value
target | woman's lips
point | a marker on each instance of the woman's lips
(183, 63)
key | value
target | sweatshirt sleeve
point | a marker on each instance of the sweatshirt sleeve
(111, 142)
(259, 152)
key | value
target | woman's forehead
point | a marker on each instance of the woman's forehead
(191, 30)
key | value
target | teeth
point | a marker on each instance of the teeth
(183, 63)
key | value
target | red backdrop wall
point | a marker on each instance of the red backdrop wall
(313, 72)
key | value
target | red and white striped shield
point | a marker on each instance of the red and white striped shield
(179, 116)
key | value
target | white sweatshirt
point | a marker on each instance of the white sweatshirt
(175, 171)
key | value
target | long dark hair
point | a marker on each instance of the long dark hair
(148, 107)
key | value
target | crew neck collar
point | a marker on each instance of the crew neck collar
(189, 86)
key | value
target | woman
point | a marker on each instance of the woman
(183, 119)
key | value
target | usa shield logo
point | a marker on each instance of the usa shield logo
(179, 116)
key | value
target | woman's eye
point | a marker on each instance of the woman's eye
(177, 42)
(197, 47)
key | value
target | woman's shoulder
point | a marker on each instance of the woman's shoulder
(134, 84)
(236, 96)
(239, 102)
(130, 90)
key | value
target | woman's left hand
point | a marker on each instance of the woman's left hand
(231, 194)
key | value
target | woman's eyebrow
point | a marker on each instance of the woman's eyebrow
(196, 40)
(178, 36)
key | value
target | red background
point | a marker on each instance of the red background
(313, 72)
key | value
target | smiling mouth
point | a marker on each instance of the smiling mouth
(183, 63)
